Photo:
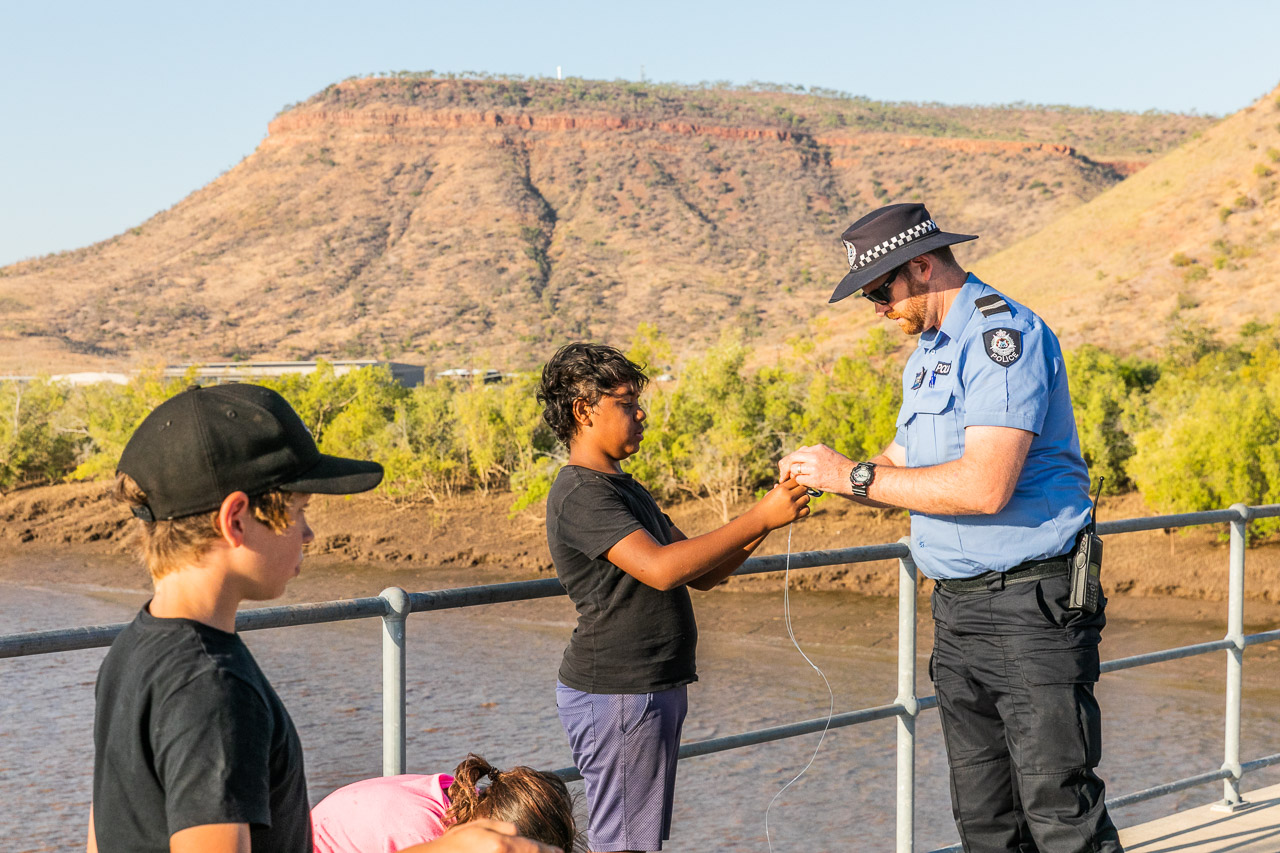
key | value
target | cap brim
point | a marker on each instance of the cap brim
(860, 278)
(335, 475)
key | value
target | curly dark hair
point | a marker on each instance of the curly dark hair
(587, 371)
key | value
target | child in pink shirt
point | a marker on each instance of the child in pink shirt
(391, 813)
(382, 815)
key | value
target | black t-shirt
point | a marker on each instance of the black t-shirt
(187, 731)
(630, 638)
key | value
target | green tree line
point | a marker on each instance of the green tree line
(1197, 428)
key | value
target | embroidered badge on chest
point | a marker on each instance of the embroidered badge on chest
(1004, 346)
(942, 368)
(919, 379)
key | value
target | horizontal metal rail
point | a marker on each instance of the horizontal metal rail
(71, 639)
(1168, 788)
(1166, 655)
(289, 615)
(1264, 637)
(759, 736)
(1259, 763)
(394, 605)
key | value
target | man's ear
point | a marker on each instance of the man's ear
(581, 412)
(232, 517)
(921, 267)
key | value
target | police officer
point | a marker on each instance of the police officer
(987, 460)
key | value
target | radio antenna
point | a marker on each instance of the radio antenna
(1093, 516)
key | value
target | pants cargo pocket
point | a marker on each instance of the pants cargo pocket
(1058, 715)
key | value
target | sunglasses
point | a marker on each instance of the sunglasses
(880, 295)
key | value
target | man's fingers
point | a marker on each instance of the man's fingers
(788, 465)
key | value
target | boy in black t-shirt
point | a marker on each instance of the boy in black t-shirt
(622, 685)
(193, 750)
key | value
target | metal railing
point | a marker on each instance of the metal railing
(394, 605)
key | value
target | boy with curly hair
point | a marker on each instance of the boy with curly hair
(622, 684)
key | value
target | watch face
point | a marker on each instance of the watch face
(862, 475)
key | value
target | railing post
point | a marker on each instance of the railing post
(393, 703)
(1231, 799)
(907, 699)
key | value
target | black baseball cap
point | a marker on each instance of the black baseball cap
(205, 443)
(886, 239)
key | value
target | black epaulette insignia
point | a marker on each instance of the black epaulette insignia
(991, 304)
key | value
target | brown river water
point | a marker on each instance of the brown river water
(482, 680)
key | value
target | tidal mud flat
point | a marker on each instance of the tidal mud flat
(481, 680)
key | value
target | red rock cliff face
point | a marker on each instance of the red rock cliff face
(301, 122)
(390, 126)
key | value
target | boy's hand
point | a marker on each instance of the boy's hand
(785, 502)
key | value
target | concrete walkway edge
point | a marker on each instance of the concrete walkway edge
(1254, 829)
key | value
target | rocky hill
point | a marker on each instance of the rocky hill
(478, 221)
(1189, 244)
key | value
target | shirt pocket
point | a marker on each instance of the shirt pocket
(933, 426)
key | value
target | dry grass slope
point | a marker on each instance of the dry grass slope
(1193, 238)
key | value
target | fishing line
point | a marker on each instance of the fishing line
(786, 614)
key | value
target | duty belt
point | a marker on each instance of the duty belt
(1024, 573)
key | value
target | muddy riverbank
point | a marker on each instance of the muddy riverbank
(475, 535)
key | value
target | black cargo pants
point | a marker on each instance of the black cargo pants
(1014, 672)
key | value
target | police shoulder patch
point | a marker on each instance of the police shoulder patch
(1003, 346)
(992, 303)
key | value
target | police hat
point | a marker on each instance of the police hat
(888, 238)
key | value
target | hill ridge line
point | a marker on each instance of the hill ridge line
(299, 121)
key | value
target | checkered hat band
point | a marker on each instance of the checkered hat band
(915, 232)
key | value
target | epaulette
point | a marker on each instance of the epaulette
(991, 304)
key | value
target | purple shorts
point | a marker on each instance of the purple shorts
(625, 746)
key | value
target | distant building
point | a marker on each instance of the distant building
(408, 375)
(466, 374)
(83, 378)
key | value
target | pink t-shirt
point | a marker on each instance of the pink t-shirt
(381, 815)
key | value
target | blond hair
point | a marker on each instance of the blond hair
(167, 545)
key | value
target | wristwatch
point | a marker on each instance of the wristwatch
(860, 477)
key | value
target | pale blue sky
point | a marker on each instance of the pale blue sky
(110, 112)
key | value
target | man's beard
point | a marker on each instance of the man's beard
(911, 314)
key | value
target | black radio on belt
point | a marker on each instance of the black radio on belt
(1084, 573)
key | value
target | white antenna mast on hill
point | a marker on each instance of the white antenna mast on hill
(558, 77)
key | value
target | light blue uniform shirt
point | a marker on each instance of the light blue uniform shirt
(1003, 368)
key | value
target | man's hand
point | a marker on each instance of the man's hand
(482, 836)
(817, 467)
